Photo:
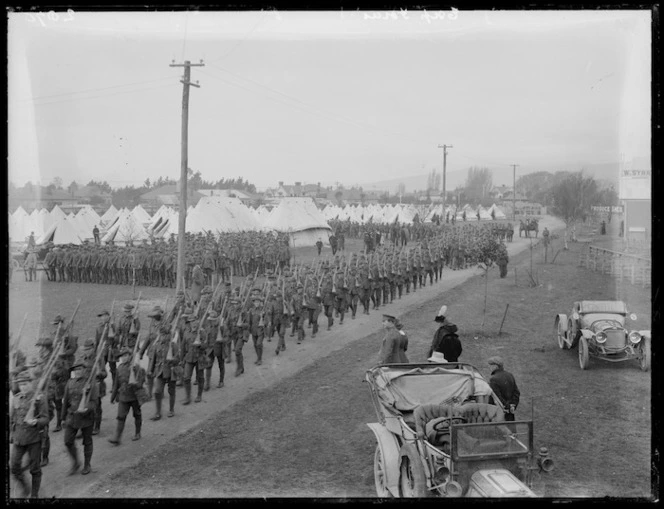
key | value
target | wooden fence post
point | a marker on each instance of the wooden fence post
(500, 331)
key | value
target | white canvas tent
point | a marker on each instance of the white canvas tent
(57, 213)
(60, 232)
(141, 214)
(126, 229)
(497, 212)
(221, 214)
(109, 216)
(300, 218)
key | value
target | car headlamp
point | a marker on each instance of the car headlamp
(634, 337)
(601, 337)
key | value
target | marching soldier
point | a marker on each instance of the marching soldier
(126, 391)
(216, 339)
(280, 318)
(25, 437)
(128, 327)
(328, 292)
(257, 327)
(297, 305)
(341, 297)
(76, 420)
(313, 300)
(194, 356)
(163, 367)
(156, 316)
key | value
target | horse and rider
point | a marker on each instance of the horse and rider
(530, 224)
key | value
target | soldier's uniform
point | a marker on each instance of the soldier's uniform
(313, 299)
(376, 286)
(153, 331)
(280, 318)
(76, 420)
(49, 264)
(128, 328)
(328, 296)
(341, 297)
(127, 393)
(194, 355)
(163, 367)
(298, 313)
(25, 437)
(257, 327)
(216, 347)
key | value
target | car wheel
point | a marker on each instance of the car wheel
(15, 264)
(380, 477)
(412, 479)
(646, 356)
(572, 333)
(561, 334)
(584, 356)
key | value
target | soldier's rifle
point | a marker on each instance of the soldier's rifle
(219, 337)
(240, 321)
(48, 369)
(304, 291)
(13, 349)
(132, 361)
(93, 373)
(283, 297)
(134, 315)
(175, 336)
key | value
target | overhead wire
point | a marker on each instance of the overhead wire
(96, 89)
(101, 96)
(327, 112)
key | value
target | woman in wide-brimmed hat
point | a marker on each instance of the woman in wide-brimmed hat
(446, 341)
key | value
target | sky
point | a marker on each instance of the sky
(349, 97)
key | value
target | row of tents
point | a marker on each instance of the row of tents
(300, 218)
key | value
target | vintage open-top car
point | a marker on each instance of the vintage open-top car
(597, 327)
(442, 432)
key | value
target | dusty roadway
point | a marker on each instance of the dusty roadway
(107, 458)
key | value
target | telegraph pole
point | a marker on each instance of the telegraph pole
(514, 193)
(184, 165)
(444, 147)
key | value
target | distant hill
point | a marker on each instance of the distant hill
(605, 173)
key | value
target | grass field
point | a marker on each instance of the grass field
(306, 436)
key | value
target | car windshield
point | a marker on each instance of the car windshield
(601, 325)
(470, 441)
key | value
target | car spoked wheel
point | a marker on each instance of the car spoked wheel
(645, 359)
(412, 479)
(406, 482)
(572, 333)
(561, 333)
(380, 477)
(584, 356)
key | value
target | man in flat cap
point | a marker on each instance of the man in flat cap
(445, 340)
(504, 386)
(394, 345)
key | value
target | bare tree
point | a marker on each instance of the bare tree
(573, 197)
(479, 183)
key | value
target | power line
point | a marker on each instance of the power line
(96, 89)
(105, 95)
(337, 117)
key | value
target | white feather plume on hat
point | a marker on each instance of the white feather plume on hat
(442, 311)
